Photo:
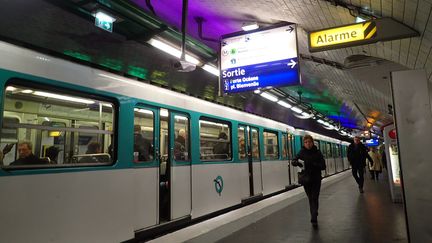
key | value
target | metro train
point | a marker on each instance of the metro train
(115, 193)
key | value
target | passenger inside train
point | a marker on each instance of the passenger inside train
(26, 156)
(142, 145)
(221, 149)
(180, 145)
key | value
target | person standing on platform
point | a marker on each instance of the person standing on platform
(357, 154)
(376, 167)
(314, 163)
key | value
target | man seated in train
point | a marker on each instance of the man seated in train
(142, 145)
(94, 150)
(26, 156)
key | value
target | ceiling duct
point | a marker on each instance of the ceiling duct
(362, 61)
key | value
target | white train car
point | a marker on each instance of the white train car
(119, 167)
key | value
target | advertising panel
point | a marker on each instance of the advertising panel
(393, 168)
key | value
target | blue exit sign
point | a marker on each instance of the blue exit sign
(104, 21)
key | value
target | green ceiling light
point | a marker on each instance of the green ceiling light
(112, 64)
(138, 72)
(77, 55)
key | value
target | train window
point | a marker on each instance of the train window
(55, 128)
(329, 150)
(181, 143)
(143, 135)
(255, 144)
(284, 146)
(241, 143)
(271, 147)
(215, 140)
(290, 146)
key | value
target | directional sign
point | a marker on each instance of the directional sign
(104, 21)
(264, 58)
(359, 34)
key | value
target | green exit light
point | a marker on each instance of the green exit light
(104, 21)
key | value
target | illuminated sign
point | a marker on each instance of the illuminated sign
(259, 59)
(372, 142)
(342, 36)
(104, 21)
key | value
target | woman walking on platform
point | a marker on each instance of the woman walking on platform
(313, 164)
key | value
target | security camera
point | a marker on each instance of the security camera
(184, 66)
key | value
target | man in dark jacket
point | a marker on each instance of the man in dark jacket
(26, 156)
(357, 154)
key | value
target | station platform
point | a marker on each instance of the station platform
(345, 215)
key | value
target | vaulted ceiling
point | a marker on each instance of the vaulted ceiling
(348, 85)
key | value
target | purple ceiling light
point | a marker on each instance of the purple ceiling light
(214, 26)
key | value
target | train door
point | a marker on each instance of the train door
(174, 166)
(255, 166)
(285, 154)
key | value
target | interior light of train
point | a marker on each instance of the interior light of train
(46, 119)
(296, 109)
(180, 118)
(321, 121)
(107, 105)
(163, 113)
(257, 91)
(27, 91)
(214, 123)
(63, 97)
(211, 69)
(269, 96)
(104, 21)
(284, 104)
(173, 51)
(10, 88)
(143, 111)
(250, 26)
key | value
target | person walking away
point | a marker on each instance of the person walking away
(357, 154)
(314, 163)
(376, 167)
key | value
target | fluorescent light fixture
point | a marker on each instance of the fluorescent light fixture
(10, 88)
(214, 123)
(296, 109)
(164, 113)
(359, 19)
(144, 111)
(104, 17)
(173, 51)
(250, 26)
(211, 69)
(269, 96)
(27, 91)
(321, 121)
(180, 118)
(257, 91)
(284, 104)
(63, 97)
(46, 119)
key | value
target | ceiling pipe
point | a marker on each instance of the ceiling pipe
(184, 23)
(200, 21)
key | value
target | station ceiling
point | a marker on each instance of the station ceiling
(351, 86)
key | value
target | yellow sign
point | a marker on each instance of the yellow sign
(341, 35)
